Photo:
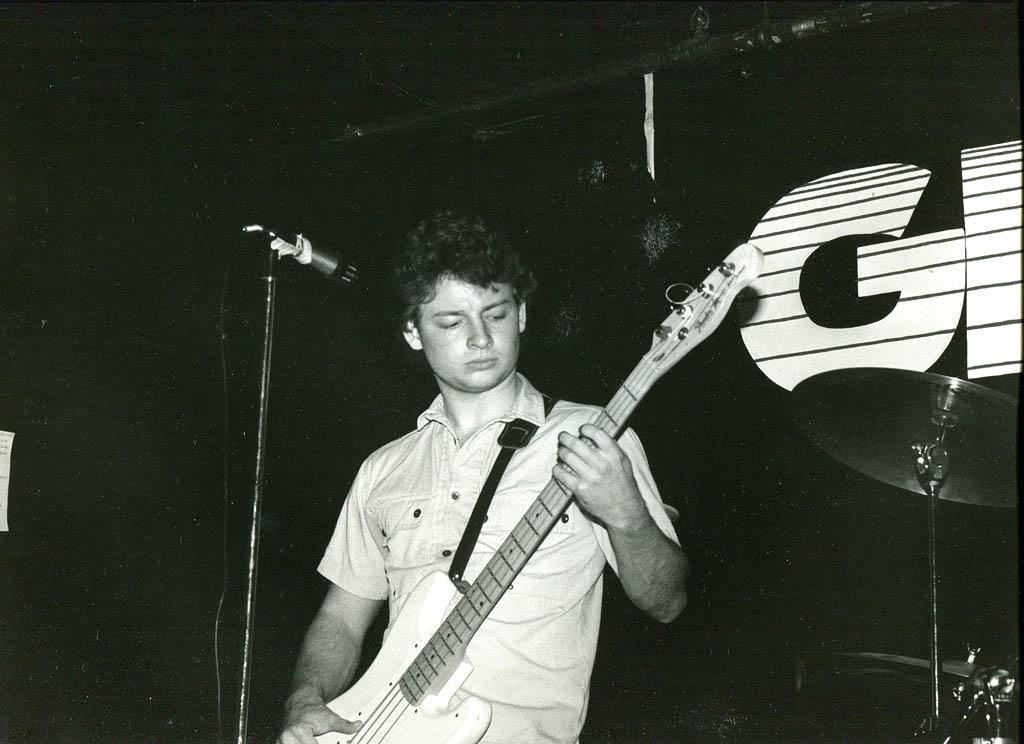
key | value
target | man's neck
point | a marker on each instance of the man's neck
(469, 411)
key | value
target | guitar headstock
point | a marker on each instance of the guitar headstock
(697, 316)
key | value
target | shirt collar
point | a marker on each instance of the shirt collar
(528, 405)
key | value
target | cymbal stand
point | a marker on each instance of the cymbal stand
(931, 462)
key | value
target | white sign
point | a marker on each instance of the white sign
(933, 274)
(6, 442)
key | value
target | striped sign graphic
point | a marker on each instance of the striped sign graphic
(992, 224)
(931, 274)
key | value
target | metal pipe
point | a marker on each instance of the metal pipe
(257, 499)
(692, 53)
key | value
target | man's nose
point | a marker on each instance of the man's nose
(480, 336)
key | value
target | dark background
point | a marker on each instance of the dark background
(136, 142)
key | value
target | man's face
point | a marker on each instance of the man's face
(469, 334)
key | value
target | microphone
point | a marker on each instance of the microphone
(327, 263)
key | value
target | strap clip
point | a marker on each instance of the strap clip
(516, 434)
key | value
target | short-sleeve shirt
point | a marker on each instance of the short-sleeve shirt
(403, 519)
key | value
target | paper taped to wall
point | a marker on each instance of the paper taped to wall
(6, 442)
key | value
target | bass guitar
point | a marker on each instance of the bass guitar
(406, 695)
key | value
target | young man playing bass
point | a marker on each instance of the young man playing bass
(465, 305)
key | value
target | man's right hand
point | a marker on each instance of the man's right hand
(307, 720)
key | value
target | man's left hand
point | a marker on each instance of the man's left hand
(599, 474)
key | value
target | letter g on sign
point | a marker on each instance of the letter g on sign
(927, 272)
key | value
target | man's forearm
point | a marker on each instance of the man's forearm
(327, 662)
(652, 569)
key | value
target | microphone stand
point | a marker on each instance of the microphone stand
(257, 500)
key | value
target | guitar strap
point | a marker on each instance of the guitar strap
(516, 435)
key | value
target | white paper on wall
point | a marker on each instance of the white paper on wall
(6, 443)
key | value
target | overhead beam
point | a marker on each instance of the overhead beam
(693, 52)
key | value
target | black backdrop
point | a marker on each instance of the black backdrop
(138, 141)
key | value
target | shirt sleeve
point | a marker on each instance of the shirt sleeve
(631, 445)
(352, 559)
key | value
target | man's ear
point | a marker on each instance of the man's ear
(522, 317)
(412, 336)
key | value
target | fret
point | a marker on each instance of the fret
(449, 648)
(435, 644)
(407, 682)
(502, 571)
(416, 672)
(511, 549)
(527, 541)
(426, 659)
(505, 560)
(458, 611)
(439, 653)
(552, 492)
(480, 589)
(468, 601)
(408, 694)
(488, 574)
(512, 537)
(606, 422)
(446, 625)
(469, 628)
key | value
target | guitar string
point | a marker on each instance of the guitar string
(397, 716)
(373, 723)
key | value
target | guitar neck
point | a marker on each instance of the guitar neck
(443, 651)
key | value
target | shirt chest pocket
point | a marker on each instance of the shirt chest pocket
(509, 508)
(545, 582)
(402, 529)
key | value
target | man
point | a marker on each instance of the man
(464, 292)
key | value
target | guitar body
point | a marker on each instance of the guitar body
(377, 700)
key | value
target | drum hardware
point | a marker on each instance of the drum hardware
(888, 662)
(987, 694)
(939, 436)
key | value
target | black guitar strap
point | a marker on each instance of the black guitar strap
(516, 435)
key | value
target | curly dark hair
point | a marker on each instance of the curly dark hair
(454, 244)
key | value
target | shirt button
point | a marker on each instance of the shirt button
(446, 553)
(455, 495)
(565, 518)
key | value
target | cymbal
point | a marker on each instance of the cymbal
(870, 418)
(957, 668)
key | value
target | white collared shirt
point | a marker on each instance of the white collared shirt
(403, 519)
